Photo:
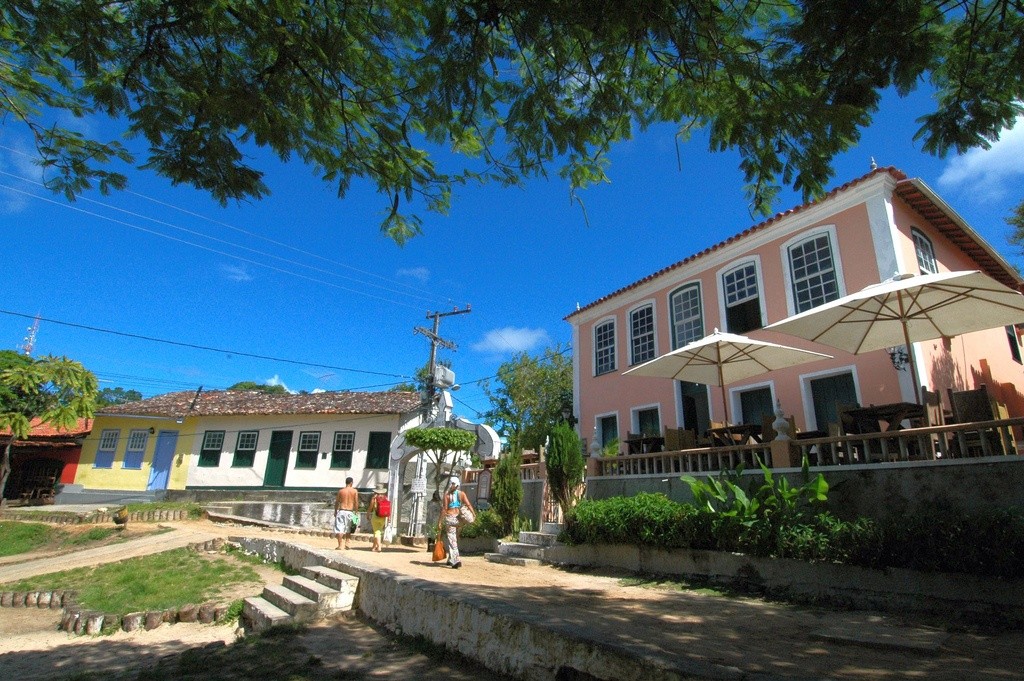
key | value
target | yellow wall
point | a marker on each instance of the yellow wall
(116, 476)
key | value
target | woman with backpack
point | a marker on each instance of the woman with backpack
(379, 510)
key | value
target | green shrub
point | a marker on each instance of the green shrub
(645, 519)
(487, 524)
(507, 490)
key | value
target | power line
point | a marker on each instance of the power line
(195, 346)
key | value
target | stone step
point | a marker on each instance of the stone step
(260, 614)
(538, 538)
(337, 580)
(298, 606)
(552, 528)
(510, 560)
(328, 600)
(521, 550)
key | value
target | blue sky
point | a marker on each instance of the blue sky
(309, 282)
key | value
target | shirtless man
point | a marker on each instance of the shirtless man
(346, 503)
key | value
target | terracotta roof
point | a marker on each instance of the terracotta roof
(250, 402)
(909, 190)
(42, 430)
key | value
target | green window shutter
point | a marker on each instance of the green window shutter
(213, 443)
(341, 453)
(378, 450)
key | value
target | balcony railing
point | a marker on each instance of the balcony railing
(960, 440)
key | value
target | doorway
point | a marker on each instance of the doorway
(277, 459)
(163, 457)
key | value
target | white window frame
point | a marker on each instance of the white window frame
(735, 405)
(923, 247)
(245, 446)
(787, 265)
(723, 302)
(309, 441)
(808, 400)
(618, 425)
(674, 323)
(209, 438)
(109, 439)
(634, 417)
(612, 354)
(651, 334)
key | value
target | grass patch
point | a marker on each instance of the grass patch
(158, 582)
(17, 537)
(93, 534)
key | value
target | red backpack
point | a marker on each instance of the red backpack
(383, 507)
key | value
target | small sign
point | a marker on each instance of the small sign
(419, 486)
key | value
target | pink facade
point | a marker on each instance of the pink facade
(857, 235)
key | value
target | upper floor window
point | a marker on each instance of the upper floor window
(213, 443)
(641, 330)
(813, 269)
(925, 253)
(742, 299)
(687, 315)
(604, 347)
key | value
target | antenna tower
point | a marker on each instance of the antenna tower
(30, 339)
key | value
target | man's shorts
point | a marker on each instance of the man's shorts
(345, 522)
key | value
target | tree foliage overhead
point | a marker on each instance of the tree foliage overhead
(530, 397)
(373, 90)
(442, 447)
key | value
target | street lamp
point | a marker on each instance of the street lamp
(568, 416)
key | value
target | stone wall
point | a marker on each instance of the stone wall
(871, 491)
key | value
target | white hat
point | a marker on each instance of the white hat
(454, 480)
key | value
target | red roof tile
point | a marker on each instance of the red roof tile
(252, 402)
(45, 430)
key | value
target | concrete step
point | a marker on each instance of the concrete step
(538, 538)
(328, 600)
(260, 614)
(340, 581)
(552, 528)
(510, 560)
(298, 606)
(521, 550)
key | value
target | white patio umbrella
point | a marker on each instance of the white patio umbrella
(724, 358)
(909, 308)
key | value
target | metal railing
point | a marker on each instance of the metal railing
(953, 441)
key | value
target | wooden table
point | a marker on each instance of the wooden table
(643, 444)
(739, 434)
(867, 418)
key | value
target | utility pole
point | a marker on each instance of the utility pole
(430, 418)
(436, 340)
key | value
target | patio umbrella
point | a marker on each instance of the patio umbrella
(909, 308)
(724, 358)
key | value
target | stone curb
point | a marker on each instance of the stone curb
(67, 518)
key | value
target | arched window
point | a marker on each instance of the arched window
(687, 315)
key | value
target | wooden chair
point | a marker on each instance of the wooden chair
(671, 436)
(938, 444)
(970, 406)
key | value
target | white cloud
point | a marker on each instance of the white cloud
(420, 274)
(276, 380)
(236, 272)
(988, 174)
(509, 340)
(317, 390)
(18, 158)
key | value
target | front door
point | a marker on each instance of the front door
(163, 457)
(277, 461)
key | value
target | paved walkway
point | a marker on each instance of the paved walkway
(693, 630)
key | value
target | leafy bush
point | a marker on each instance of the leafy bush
(565, 467)
(487, 524)
(645, 519)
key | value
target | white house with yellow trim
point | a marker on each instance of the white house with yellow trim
(244, 440)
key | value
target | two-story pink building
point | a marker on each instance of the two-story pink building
(858, 234)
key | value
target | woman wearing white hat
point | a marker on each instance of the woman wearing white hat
(457, 511)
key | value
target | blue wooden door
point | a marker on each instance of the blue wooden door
(163, 457)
